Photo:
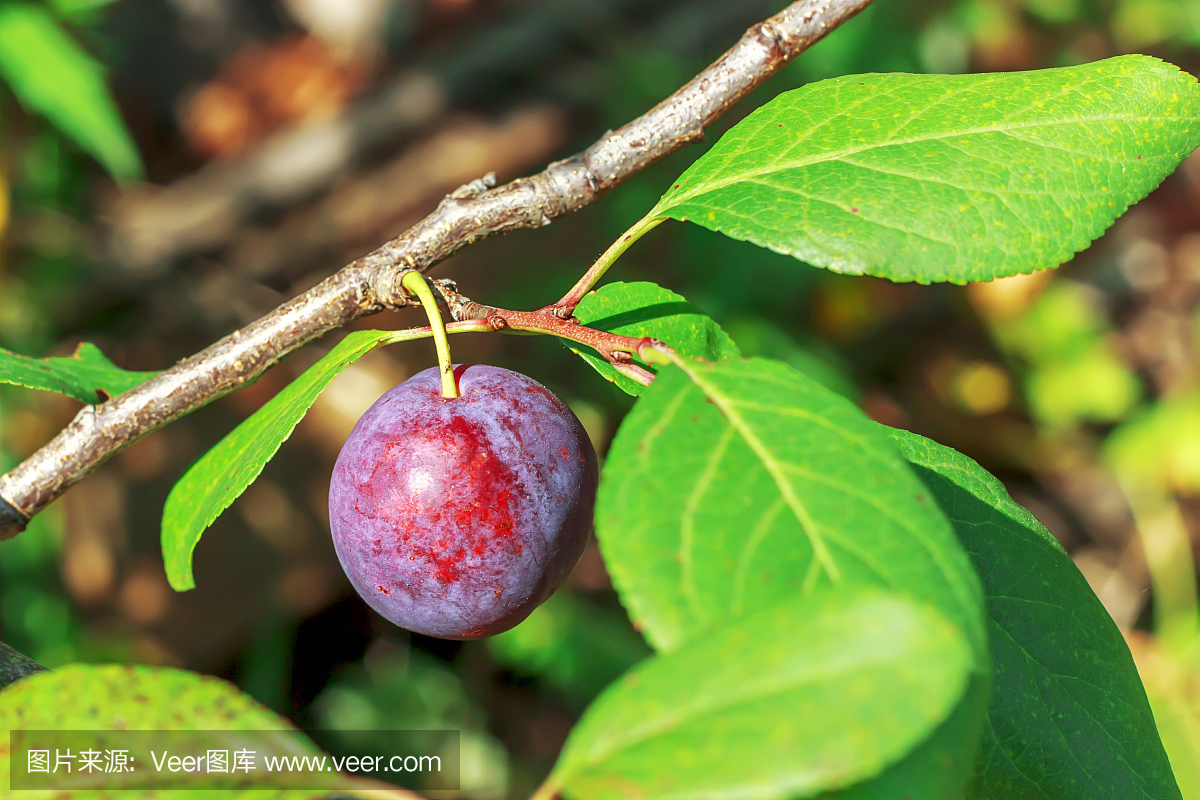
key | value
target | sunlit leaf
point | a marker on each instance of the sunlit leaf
(86, 375)
(712, 495)
(939, 768)
(945, 177)
(810, 695)
(115, 698)
(740, 483)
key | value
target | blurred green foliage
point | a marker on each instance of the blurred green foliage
(54, 76)
(38, 617)
(405, 689)
(1160, 446)
(1073, 373)
(574, 645)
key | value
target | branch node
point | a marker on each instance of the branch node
(595, 183)
(477, 186)
(770, 35)
(496, 322)
(654, 351)
(461, 308)
(454, 301)
(617, 356)
(388, 290)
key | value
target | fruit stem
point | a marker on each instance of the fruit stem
(565, 307)
(415, 284)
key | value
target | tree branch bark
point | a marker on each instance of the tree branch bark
(14, 666)
(372, 283)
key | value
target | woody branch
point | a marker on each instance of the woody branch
(372, 283)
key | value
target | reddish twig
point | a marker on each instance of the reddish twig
(615, 349)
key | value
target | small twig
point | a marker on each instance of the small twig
(615, 349)
(632, 371)
(611, 346)
(372, 283)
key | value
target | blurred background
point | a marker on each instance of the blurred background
(172, 169)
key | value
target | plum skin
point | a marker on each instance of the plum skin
(456, 517)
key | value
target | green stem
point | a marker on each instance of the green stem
(426, 332)
(414, 283)
(606, 260)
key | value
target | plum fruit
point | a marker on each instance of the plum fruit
(456, 517)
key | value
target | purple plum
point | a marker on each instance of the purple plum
(456, 517)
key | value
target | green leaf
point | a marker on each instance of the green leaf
(86, 375)
(646, 309)
(944, 177)
(736, 484)
(83, 697)
(809, 695)
(52, 75)
(1068, 718)
(224, 472)
(103, 697)
(940, 767)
